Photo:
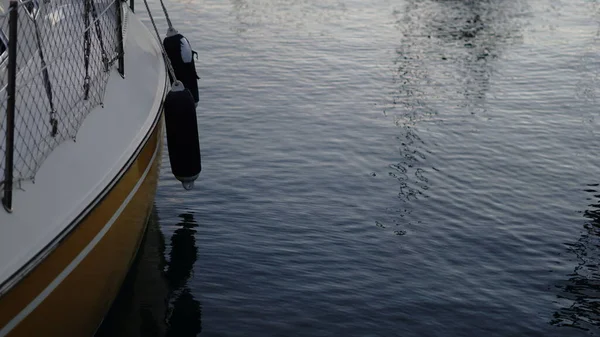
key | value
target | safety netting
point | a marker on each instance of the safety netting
(66, 51)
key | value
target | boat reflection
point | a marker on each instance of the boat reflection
(582, 289)
(185, 311)
(450, 45)
(155, 299)
(441, 71)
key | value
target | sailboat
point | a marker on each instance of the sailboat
(82, 93)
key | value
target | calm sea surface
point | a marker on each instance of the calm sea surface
(381, 168)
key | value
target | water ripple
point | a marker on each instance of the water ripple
(408, 168)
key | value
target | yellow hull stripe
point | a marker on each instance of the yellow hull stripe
(71, 290)
(42, 296)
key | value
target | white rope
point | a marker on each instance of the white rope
(162, 48)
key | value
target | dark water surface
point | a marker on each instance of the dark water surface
(384, 168)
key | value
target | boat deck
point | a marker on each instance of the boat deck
(76, 172)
